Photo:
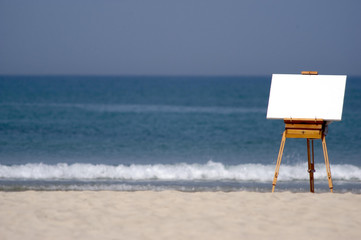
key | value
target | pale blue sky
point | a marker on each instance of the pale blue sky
(188, 37)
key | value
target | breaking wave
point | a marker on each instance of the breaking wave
(212, 171)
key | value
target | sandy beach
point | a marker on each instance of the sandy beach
(178, 215)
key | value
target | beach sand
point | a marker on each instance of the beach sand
(178, 215)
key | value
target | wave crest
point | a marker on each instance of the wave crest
(177, 172)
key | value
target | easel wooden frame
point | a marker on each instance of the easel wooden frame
(310, 129)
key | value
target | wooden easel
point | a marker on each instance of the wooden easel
(310, 129)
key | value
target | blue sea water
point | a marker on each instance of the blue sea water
(159, 133)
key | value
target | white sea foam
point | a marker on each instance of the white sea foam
(135, 108)
(178, 172)
(168, 109)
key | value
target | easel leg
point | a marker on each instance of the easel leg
(282, 146)
(311, 165)
(328, 169)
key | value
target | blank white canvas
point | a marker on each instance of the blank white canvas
(306, 96)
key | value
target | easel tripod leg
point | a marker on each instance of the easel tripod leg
(311, 165)
(328, 169)
(282, 146)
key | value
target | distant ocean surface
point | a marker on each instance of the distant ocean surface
(162, 133)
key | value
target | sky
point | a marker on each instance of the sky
(183, 37)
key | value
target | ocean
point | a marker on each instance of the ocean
(134, 133)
